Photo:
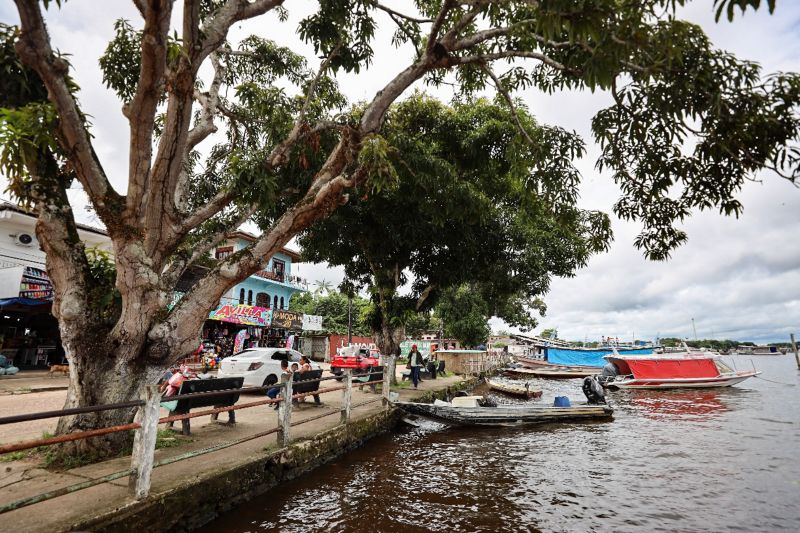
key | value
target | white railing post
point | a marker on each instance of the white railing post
(388, 372)
(144, 444)
(347, 395)
(285, 410)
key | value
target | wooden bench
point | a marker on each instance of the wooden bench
(183, 406)
(375, 377)
(301, 383)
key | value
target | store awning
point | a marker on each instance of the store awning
(23, 302)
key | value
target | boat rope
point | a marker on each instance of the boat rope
(778, 382)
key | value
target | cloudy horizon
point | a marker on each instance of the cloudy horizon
(737, 278)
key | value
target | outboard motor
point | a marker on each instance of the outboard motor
(593, 391)
(610, 371)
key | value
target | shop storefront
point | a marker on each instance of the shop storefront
(29, 333)
(232, 328)
(287, 327)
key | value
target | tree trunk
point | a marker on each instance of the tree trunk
(98, 378)
(388, 339)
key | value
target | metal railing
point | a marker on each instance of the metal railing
(147, 420)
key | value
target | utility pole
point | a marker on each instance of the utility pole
(349, 319)
(695, 330)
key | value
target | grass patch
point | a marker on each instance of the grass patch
(166, 438)
(14, 456)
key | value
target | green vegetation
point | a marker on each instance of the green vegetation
(167, 438)
(480, 213)
(333, 306)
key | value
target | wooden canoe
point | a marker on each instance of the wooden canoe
(553, 373)
(514, 390)
(507, 415)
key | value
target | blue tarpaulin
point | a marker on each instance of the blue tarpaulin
(22, 301)
(565, 356)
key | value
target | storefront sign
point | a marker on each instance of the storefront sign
(312, 323)
(248, 315)
(287, 320)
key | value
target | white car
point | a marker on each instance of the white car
(259, 366)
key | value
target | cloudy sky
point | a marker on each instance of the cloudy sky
(737, 278)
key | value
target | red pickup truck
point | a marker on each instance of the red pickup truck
(355, 358)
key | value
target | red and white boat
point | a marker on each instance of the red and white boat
(671, 371)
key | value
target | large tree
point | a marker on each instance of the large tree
(473, 206)
(690, 123)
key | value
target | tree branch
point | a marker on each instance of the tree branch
(220, 200)
(394, 13)
(34, 49)
(149, 90)
(210, 103)
(433, 36)
(216, 29)
(499, 86)
(178, 266)
(484, 58)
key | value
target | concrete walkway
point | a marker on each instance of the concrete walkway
(25, 478)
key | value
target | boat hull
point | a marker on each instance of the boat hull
(514, 390)
(679, 383)
(507, 416)
(558, 372)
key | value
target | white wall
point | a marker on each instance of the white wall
(14, 254)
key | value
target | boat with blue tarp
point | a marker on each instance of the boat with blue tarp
(550, 356)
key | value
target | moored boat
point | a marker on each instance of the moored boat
(690, 370)
(515, 390)
(554, 372)
(466, 411)
(572, 357)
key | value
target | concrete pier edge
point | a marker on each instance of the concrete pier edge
(203, 498)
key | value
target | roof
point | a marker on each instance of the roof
(8, 206)
(293, 254)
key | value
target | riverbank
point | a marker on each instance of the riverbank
(190, 492)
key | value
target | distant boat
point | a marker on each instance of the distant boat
(578, 358)
(690, 370)
(466, 411)
(514, 390)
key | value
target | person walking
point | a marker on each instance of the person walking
(414, 363)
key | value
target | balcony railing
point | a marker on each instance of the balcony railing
(280, 277)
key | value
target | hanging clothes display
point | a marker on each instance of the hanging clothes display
(238, 343)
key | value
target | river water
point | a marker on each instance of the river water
(687, 460)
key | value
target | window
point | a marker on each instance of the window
(249, 297)
(281, 356)
(241, 296)
(262, 299)
(275, 306)
(282, 302)
(278, 267)
(224, 252)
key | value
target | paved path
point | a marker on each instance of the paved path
(25, 478)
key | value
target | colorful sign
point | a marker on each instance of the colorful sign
(248, 315)
(287, 319)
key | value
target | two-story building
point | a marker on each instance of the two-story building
(271, 287)
(244, 315)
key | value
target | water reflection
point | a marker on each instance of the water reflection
(673, 405)
(689, 460)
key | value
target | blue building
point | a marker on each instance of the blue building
(271, 287)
